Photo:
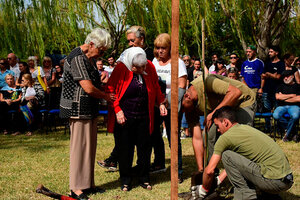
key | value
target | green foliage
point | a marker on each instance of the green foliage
(46, 26)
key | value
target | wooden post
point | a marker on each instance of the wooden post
(174, 99)
(204, 96)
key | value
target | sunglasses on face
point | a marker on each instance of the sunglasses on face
(131, 40)
(233, 57)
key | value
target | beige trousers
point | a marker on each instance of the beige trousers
(83, 143)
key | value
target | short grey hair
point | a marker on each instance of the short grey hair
(139, 60)
(137, 30)
(34, 60)
(100, 37)
(187, 56)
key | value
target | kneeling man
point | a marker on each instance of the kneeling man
(251, 160)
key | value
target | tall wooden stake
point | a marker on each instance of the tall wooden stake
(174, 99)
(204, 96)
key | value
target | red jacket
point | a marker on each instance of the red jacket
(118, 83)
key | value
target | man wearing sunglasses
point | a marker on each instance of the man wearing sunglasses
(233, 61)
(136, 37)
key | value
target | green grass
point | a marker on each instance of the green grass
(26, 162)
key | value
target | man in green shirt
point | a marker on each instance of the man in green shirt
(221, 91)
(251, 160)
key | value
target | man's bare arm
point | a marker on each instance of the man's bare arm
(284, 97)
(198, 146)
(295, 99)
(208, 175)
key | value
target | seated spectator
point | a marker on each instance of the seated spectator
(297, 65)
(59, 73)
(221, 68)
(233, 73)
(10, 98)
(12, 60)
(32, 97)
(288, 100)
(37, 73)
(289, 60)
(24, 69)
(4, 70)
(49, 71)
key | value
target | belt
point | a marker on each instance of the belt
(288, 178)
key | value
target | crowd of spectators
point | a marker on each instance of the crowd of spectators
(27, 87)
(262, 77)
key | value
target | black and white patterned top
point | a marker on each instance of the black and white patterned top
(74, 101)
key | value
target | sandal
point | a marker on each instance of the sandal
(82, 196)
(146, 186)
(125, 188)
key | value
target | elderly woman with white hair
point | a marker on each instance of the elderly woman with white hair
(79, 102)
(131, 116)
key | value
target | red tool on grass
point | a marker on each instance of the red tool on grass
(43, 190)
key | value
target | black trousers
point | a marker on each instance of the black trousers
(157, 141)
(135, 132)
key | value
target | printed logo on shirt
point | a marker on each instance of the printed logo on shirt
(249, 70)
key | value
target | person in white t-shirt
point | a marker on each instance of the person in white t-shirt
(162, 63)
(111, 67)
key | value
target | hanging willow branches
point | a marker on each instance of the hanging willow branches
(45, 26)
(41, 26)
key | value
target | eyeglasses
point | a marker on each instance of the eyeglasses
(131, 40)
(185, 60)
(233, 57)
(9, 58)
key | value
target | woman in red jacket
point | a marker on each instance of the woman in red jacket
(131, 117)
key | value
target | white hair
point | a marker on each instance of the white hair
(100, 37)
(139, 60)
(34, 60)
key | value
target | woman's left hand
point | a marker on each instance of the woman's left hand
(121, 117)
(163, 110)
